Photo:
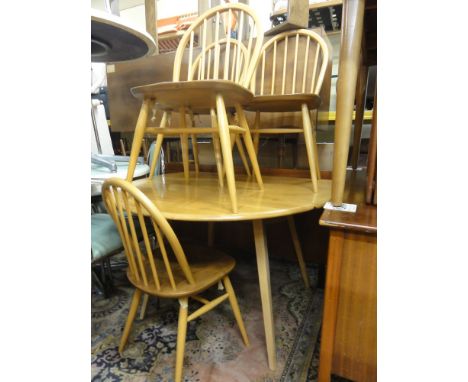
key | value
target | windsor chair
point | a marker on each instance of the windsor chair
(212, 76)
(285, 82)
(162, 273)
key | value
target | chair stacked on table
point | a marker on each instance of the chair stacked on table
(290, 83)
(215, 81)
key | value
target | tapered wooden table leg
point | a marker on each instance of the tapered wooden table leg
(351, 36)
(263, 267)
(138, 137)
(332, 284)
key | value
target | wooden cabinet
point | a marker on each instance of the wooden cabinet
(349, 331)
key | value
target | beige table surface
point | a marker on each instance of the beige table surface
(201, 199)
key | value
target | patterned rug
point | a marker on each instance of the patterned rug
(214, 348)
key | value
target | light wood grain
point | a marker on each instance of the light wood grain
(331, 305)
(181, 334)
(263, 267)
(199, 95)
(285, 98)
(351, 30)
(201, 199)
(359, 119)
(212, 15)
(207, 92)
(355, 346)
(153, 272)
(283, 103)
(298, 250)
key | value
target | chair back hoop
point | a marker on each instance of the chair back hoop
(230, 26)
(122, 199)
(210, 51)
(302, 71)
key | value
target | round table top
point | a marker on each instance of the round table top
(100, 173)
(201, 199)
(115, 40)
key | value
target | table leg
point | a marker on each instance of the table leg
(332, 288)
(263, 267)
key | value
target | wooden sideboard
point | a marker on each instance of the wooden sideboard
(349, 331)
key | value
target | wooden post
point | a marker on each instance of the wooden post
(358, 120)
(351, 36)
(151, 15)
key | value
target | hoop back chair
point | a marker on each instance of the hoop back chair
(166, 272)
(285, 82)
(213, 67)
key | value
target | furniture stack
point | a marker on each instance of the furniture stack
(221, 69)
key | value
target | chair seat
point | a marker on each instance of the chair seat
(282, 103)
(200, 96)
(208, 266)
(105, 238)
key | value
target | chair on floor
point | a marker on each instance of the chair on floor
(288, 76)
(166, 273)
(213, 83)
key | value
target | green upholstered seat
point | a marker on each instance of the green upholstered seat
(105, 238)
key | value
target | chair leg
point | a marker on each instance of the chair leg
(195, 153)
(181, 334)
(138, 137)
(314, 138)
(144, 304)
(217, 149)
(158, 145)
(226, 150)
(184, 144)
(256, 136)
(249, 145)
(240, 147)
(309, 141)
(131, 316)
(235, 309)
(156, 154)
(298, 250)
(194, 144)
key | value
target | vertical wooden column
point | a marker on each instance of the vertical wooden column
(358, 120)
(151, 15)
(351, 36)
